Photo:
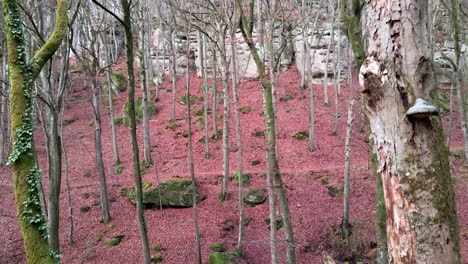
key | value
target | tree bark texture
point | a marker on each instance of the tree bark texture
(422, 225)
(26, 175)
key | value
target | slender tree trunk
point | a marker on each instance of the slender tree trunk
(215, 92)
(68, 188)
(191, 163)
(225, 78)
(345, 224)
(450, 122)
(174, 77)
(422, 225)
(143, 82)
(332, 27)
(115, 148)
(105, 217)
(240, 161)
(204, 64)
(273, 172)
(3, 108)
(55, 178)
(131, 113)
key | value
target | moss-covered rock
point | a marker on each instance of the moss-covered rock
(114, 241)
(138, 111)
(255, 197)
(301, 135)
(334, 191)
(223, 257)
(245, 109)
(177, 194)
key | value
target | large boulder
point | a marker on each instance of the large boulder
(255, 197)
(178, 194)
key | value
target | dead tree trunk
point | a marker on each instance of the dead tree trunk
(412, 158)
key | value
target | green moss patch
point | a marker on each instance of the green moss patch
(118, 121)
(191, 101)
(114, 241)
(175, 194)
(286, 97)
(223, 257)
(255, 162)
(119, 81)
(334, 191)
(156, 258)
(255, 197)
(245, 177)
(138, 111)
(279, 223)
(84, 209)
(217, 247)
(245, 109)
(302, 135)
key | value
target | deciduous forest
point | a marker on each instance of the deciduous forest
(234, 131)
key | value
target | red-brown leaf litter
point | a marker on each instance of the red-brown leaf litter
(313, 210)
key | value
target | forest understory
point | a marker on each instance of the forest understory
(313, 180)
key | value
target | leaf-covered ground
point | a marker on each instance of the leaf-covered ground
(307, 177)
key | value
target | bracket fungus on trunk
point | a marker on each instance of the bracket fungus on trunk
(421, 109)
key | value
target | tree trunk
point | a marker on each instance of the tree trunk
(3, 109)
(26, 174)
(55, 178)
(115, 148)
(215, 93)
(144, 89)
(225, 78)
(332, 35)
(105, 217)
(191, 164)
(174, 76)
(204, 64)
(422, 225)
(131, 113)
(345, 224)
(273, 172)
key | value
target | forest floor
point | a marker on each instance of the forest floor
(307, 177)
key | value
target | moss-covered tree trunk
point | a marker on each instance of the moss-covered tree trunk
(26, 175)
(127, 23)
(412, 159)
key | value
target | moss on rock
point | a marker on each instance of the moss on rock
(176, 194)
(255, 197)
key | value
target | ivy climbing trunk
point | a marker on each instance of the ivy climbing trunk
(26, 175)
(412, 159)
